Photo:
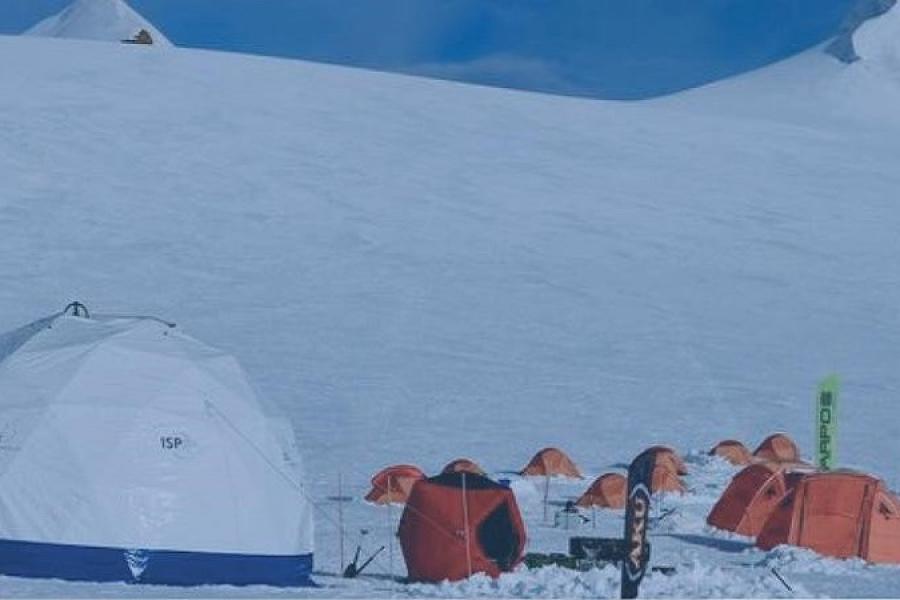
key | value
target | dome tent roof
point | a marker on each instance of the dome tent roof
(123, 433)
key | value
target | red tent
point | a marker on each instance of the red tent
(840, 514)
(441, 520)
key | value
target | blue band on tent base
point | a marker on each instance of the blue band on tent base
(157, 567)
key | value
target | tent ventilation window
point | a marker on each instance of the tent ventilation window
(498, 537)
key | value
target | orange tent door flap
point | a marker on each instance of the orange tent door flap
(778, 527)
(831, 516)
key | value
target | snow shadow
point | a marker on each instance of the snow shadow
(710, 542)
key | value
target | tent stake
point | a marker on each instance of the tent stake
(781, 579)
(341, 515)
(546, 495)
(390, 529)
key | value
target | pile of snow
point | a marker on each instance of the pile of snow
(691, 580)
(853, 41)
(102, 20)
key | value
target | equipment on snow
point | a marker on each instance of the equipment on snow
(352, 570)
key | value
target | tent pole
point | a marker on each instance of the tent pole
(341, 515)
(465, 501)
(546, 494)
(593, 516)
(390, 529)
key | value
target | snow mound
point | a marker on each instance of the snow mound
(691, 580)
(103, 20)
(865, 35)
(878, 41)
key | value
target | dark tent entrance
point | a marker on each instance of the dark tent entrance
(499, 539)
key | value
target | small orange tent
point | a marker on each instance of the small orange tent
(463, 465)
(733, 451)
(551, 461)
(778, 446)
(839, 513)
(666, 456)
(392, 485)
(607, 491)
(664, 479)
(752, 495)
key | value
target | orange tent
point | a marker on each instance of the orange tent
(667, 457)
(841, 514)
(778, 446)
(551, 461)
(752, 495)
(664, 479)
(607, 491)
(733, 451)
(463, 465)
(392, 485)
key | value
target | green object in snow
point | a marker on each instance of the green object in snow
(826, 422)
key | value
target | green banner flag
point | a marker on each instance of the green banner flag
(826, 422)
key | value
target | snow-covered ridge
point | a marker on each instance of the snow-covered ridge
(103, 20)
(855, 39)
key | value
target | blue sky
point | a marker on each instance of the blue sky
(601, 48)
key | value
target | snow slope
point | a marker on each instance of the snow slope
(419, 270)
(103, 20)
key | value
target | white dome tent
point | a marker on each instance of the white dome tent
(132, 452)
